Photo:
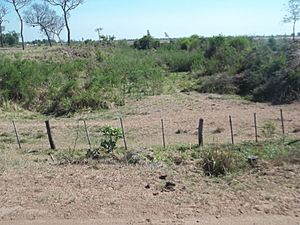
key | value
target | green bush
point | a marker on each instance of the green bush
(107, 75)
(177, 60)
(110, 138)
(287, 86)
(65, 87)
(268, 129)
(221, 84)
(11, 39)
(146, 42)
(220, 160)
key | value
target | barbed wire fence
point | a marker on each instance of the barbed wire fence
(85, 134)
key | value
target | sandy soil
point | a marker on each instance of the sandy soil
(136, 195)
(253, 220)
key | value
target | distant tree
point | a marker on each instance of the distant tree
(104, 39)
(42, 16)
(3, 13)
(58, 26)
(107, 39)
(146, 42)
(66, 6)
(293, 14)
(98, 30)
(167, 35)
(190, 43)
(11, 38)
(18, 5)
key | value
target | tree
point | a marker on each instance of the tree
(42, 16)
(146, 42)
(98, 30)
(11, 38)
(293, 14)
(66, 6)
(3, 13)
(18, 5)
(58, 26)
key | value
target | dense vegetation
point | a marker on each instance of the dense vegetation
(99, 75)
(10, 39)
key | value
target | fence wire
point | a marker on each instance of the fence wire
(71, 134)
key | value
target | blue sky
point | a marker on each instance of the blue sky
(132, 18)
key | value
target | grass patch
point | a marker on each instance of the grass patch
(70, 156)
(221, 160)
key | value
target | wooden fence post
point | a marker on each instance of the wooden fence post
(123, 133)
(87, 134)
(163, 133)
(255, 128)
(282, 123)
(17, 136)
(231, 130)
(51, 142)
(200, 132)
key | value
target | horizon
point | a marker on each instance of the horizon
(177, 18)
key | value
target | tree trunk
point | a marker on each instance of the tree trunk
(22, 27)
(1, 36)
(68, 29)
(294, 30)
(59, 39)
(48, 37)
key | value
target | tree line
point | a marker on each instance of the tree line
(42, 16)
(51, 25)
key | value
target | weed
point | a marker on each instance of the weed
(269, 129)
(69, 156)
(8, 140)
(220, 160)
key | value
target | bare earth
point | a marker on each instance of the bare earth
(34, 191)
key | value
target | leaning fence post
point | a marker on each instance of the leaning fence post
(231, 130)
(123, 133)
(200, 132)
(17, 136)
(87, 134)
(282, 123)
(51, 142)
(163, 133)
(255, 128)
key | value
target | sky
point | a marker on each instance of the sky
(129, 19)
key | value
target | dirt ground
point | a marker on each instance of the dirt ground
(34, 191)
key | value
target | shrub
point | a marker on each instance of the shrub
(221, 84)
(287, 86)
(65, 87)
(146, 42)
(220, 160)
(177, 60)
(268, 129)
(110, 138)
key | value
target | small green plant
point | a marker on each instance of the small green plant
(268, 129)
(110, 138)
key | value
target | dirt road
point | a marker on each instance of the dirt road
(253, 220)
